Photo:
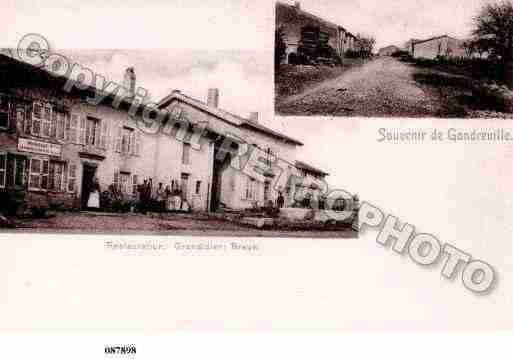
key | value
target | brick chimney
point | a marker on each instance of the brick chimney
(253, 117)
(297, 5)
(129, 81)
(213, 97)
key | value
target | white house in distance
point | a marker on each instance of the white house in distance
(439, 46)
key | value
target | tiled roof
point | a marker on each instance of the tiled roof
(229, 117)
(314, 17)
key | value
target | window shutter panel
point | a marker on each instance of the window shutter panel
(104, 134)
(44, 173)
(12, 113)
(65, 178)
(118, 138)
(82, 135)
(53, 128)
(116, 179)
(28, 118)
(20, 117)
(138, 143)
(132, 146)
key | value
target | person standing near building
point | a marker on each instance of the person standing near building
(142, 196)
(148, 195)
(93, 202)
(160, 197)
(167, 198)
(280, 201)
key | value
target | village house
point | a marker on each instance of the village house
(54, 143)
(305, 33)
(440, 46)
(388, 51)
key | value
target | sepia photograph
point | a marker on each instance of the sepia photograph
(113, 141)
(174, 168)
(424, 58)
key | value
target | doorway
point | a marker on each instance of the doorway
(88, 173)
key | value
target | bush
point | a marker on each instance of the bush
(400, 53)
(493, 96)
(11, 201)
(352, 54)
(39, 211)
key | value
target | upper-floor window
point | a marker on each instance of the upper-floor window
(92, 128)
(39, 171)
(4, 112)
(128, 141)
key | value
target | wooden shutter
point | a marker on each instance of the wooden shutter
(82, 133)
(20, 117)
(104, 135)
(118, 138)
(44, 174)
(53, 128)
(28, 119)
(12, 113)
(138, 143)
(116, 179)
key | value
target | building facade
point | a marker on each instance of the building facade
(306, 33)
(441, 46)
(54, 144)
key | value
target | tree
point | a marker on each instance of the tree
(280, 48)
(365, 45)
(493, 28)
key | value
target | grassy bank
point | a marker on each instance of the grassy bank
(293, 79)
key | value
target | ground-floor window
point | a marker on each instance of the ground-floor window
(56, 176)
(16, 170)
(3, 169)
(12, 170)
(251, 189)
(39, 172)
(123, 182)
(198, 187)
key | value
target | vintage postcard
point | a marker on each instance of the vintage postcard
(237, 165)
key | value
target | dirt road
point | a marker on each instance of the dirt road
(170, 224)
(381, 87)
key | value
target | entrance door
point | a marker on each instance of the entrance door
(88, 174)
(185, 186)
(267, 192)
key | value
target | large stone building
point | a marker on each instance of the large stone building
(53, 143)
(440, 46)
(307, 33)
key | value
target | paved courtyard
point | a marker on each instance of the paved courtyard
(167, 224)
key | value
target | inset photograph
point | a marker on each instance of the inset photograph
(406, 59)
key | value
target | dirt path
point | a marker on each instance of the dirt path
(382, 87)
(178, 225)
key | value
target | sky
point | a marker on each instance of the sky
(188, 45)
(393, 22)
